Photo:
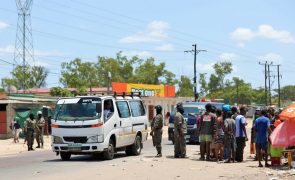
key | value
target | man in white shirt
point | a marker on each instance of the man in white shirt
(241, 134)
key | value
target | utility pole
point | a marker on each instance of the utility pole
(268, 72)
(237, 92)
(279, 86)
(265, 80)
(196, 52)
(109, 75)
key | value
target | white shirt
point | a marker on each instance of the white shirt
(107, 113)
(240, 119)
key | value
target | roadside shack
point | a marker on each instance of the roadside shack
(21, 105)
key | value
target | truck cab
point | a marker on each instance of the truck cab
(99, 124)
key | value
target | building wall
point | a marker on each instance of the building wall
(3, 119)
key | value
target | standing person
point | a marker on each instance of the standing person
(230, 137)
(157, 130)
(277, 120)
(219, 136)
(241, 134)
(179, 132)
(206, 131)
(262, 125)
(39, 129)
(234, 112)
(16, 130)
(253, 134)
(167, 117)
(29, 129)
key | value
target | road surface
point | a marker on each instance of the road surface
(46, 165)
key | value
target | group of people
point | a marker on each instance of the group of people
(264, 122)
(34, 128)
(222, 133)
(179, 131)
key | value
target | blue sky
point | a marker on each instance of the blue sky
(243, 32)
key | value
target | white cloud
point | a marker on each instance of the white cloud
(3, 25)
(268, 31)
(140, 54)
(204, 68)
(7, 49)
(271, 57)
(165, 47)
(155, 32)
(241, 35)
(228, 56)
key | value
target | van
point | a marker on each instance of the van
(99, 124)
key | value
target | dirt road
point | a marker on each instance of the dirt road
(43, 164)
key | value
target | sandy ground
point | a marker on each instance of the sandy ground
(167, 166)
(9, 148)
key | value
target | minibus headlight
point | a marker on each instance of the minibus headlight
(57, 139)
(95, 139)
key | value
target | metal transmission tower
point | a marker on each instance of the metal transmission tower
(24, 51)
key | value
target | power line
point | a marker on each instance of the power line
(94, 32)
(144, 22)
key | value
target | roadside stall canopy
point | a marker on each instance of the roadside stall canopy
(288, 113)
(284, 133)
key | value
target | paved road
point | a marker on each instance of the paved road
(37, 164)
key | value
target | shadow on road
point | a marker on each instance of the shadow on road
(87, 158)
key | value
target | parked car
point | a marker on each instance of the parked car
(192, 115)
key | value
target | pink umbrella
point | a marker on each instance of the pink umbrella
(284, 134)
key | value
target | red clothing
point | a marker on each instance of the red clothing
(277, 122)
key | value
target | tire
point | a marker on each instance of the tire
(65, 156)
(109, 153)
(128, 150)
(136, 147)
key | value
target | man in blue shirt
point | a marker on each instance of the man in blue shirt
(262, 125)
(241, 134)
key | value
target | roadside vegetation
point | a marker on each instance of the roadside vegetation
(81, 74)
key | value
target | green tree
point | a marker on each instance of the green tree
(79, 75)
(288, 93)
(28, 77)
(185, 87)
(149, 73)
(221, 70)
(203, 83)
(38, 76)
(60, 92)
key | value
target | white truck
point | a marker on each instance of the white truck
(99, 124)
